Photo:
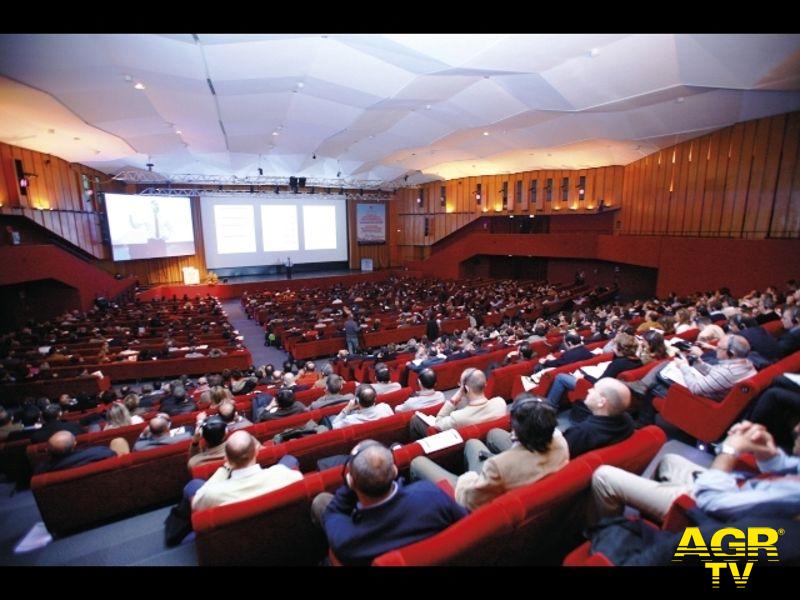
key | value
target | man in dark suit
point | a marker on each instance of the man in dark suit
(61, 448)
(52, 424)
(575, 351)
(789, 342)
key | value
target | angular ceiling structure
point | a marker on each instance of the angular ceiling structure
(381, 107)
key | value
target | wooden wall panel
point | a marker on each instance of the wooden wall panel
(739, 181)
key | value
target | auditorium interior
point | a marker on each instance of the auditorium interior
(589, 227)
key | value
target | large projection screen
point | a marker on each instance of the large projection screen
(149, 226)
(253, 230)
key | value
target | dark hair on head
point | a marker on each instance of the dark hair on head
(366, 395)
(525, 351)
(285, 397)
(382, 373)
(533, 422)
(572, 338)
(214, 430)
(51, 412)
(334, 383)
(30, 414)
(427, 378)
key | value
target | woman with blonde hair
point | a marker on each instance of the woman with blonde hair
(683, 321)
(119, 416)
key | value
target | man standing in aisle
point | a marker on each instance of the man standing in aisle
(288, 267)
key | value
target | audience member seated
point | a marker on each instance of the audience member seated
(52, 423)
(789, 341)
(232, 419)
(625, 359)
(333, 387)
(384, 385)
(158, 433)
(537, 450)
(118, 415)
(778, 409)
(241, 477)
(718, 490)
(7, 425)
(600, 420)
(711, 381)
(426, 396)
(575, 351)
(282, 405)
(212, 430)
(764, 347)
(31, 423)
(468, 406)
(178, 402)
(375, 512)
(63, 455)
(362, 409)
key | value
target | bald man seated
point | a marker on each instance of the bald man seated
(241, 477)
(62, 453)
(159, 433)
(600, 420)
(468, 406)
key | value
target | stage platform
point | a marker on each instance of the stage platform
(236, 286)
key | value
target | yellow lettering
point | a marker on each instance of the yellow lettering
(740, 580)
(762, 538)
(692, 544)
(715, 569)
(737, 548)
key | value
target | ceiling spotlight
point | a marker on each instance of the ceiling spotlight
(178, 131)
(51, 131)
(260, 171)
(428, 106)
(594, 52)
(274, 133)
(300, 84)
(314, 156)
(128, 78)
(681, 99)
(339, 174)
(140, 86)
(77, 139)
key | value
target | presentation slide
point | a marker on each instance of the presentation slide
(252, 230)
(149, 226)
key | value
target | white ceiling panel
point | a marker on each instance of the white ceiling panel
(383, 105)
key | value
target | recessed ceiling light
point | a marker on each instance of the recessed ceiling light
(548, 154)
(428, 106)
(485, 133)
(140, 86)
(300, 84)
(97, 151)
(486, 77)
(128, 78)
(274, 133)
(178, 131)
(681, 99)
(594, 51)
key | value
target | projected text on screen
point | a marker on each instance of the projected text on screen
(266, 229)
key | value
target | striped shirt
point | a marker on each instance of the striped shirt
(715, 381)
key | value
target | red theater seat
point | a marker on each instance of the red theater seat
(708, 420)
(533, 523)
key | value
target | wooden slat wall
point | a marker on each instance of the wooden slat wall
(55, 197)
(742, 181)
(460, 207)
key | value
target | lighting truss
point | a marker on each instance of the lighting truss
(208, 191)
(149, 177)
